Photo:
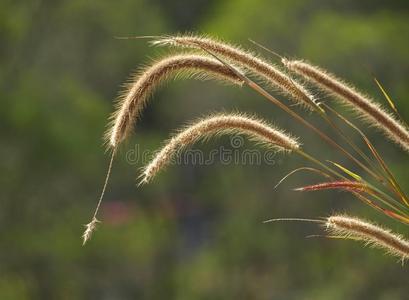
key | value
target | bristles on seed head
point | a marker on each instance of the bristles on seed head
(257, 130)
(134, 99)
(371, 234)
(369, 110)
(257, 65)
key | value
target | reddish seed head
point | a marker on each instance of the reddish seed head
(354, 186)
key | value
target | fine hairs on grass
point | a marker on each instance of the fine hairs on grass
(257, 130)
(370, 111)
(134, 99)
(350, 227)
(250, 61)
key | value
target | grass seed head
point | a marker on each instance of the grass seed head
(368, 109)
(134, 99)
(371, 234)
(214, 125)
(252, 62)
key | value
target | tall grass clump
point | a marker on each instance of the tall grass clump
(375, 185)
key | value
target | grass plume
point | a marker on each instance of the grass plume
(369, 110)
(257, 130)
(247, 59)
(371, 234)
(134, 99)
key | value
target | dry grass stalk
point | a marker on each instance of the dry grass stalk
(371, 234)
(370, 111)
(91, 226)
(257, 130)
(251, 61)
(134, 99)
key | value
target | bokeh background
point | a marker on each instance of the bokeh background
(196, 232)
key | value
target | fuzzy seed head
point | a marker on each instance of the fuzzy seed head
(371, 234)
(252, 62)
(215, 125)
(132, 102)
(368, 109)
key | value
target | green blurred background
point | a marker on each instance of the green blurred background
(196, 232)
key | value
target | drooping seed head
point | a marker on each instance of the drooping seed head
(257, 130)
(369, 110)
(134, 99)
(371, 234)
(257, 65)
